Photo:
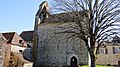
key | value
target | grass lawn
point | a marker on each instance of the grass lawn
(98, 66)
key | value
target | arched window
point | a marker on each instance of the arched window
(43, 16)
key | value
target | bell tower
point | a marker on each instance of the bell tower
(42, 13)
(40, 17)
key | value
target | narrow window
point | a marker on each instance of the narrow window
(106, 51)
(113, 50)
(57, 47)
(43, 16)
(20, 51)
(101, 51)
(20, 41)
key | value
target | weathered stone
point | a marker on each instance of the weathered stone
(55, 50)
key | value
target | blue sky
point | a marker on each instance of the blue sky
(18, 15)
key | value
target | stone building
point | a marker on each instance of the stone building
(109, 53)
(54, 50)
(14, 39)
(3, 47)
(14, 51)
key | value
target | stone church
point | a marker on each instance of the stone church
(55, 50)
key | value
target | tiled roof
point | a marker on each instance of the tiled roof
(58, 18)
(1, 36)
(9, 36)
(116, 39)
(65, 17)
(27, 35)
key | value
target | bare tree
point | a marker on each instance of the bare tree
(92, 21)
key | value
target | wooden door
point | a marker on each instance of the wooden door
(118, 63)
(74, 62)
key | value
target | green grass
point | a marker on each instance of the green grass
(97, 66)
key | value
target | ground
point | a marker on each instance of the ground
(98, 66)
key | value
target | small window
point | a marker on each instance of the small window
(115, 50)
(57, 47)
(20, 41)
(21, 51)
(43, 16)
(106, 51)
(101, 51)
(28, 46)
(10, 61)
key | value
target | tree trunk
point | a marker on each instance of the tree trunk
(92, 60)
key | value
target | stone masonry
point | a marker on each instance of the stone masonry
(56, 50)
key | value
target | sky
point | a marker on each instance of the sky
(18, 15)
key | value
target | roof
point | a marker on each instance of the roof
(116, 39)
(2, 39)
(62, 17)
(1, 36)
(9, 36)
(27, 35)
(70, 16)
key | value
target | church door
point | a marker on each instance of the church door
(74, 62)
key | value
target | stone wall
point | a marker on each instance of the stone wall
(55, 49)
(16, 48)
(110, 58)
(7, 55)
(28, 65)
(2, 50)
(16, 40)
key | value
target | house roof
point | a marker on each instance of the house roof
(116, 39)
(62, 17)
(70, 16)
(9, 36)
(27, 35)
(67, 16)
(1, 36)
(2, 39)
